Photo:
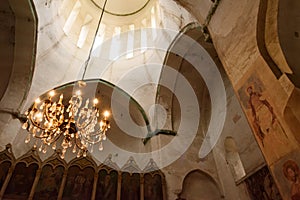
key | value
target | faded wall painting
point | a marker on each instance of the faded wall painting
(20, 184)
(75, 181)
(107, 185)
(261, 186)
(79, 184)
(130, 189)
(263, 119)
(49, 183)
(153, 187)
(287, 175)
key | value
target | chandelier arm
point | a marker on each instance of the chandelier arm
(55, 140)
(48, 117)
(89, 122)
(34, 123)
(81, 146)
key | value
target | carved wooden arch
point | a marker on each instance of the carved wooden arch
(109, 167)
(83, 162)
(28, 159)
(54, 161)
(7, 155)
(152, 169)
(207, 174)
(131, 166)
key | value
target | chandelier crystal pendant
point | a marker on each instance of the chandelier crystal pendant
(79, 125)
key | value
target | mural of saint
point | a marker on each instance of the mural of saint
(130, 189)
(20, 184)
(79, 184)
(264, 119)
(291, 172)
(107, 185)
(152, 187)
(49, 183)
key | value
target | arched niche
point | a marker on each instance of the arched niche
(107, 184)
(233, 159)
(153, 186)
(198, 185)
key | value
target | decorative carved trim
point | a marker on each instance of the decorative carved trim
(55, 160)
(109, 164)
(83, 162)
(7, 155)
(150, 167)
(131, 166)
(30, 157)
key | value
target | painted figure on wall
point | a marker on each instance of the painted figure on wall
(264, 119)
(107, 185)
(262, 113)
(152, 187)
(20, 184)
(291, 172)
(49, 183)
(130, 189)
(79, 183)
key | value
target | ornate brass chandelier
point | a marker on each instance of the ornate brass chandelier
(76, 124)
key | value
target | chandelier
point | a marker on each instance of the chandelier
(80, 124)
(75, 123)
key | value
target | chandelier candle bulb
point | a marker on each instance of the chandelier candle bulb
(41, 147)
(95, 101)
(79, 153)
(51, 94)
(74, 149)
(27, 138)
(54, 146)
